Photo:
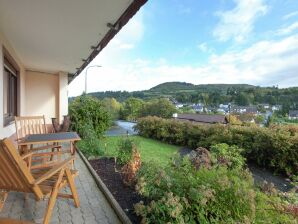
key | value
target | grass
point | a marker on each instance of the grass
(150, 150)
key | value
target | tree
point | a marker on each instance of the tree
(158, 107)
(87, 111)
(112, 106)
(242, 99)
(131, 109)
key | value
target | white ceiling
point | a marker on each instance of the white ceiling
(55, 35)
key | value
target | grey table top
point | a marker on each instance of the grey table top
(50, 137)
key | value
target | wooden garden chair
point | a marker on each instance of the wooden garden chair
(16, 176)
(34, 125)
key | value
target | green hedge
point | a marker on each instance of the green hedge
(275, 148)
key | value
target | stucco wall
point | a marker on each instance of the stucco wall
(10, 129)
(42, 94)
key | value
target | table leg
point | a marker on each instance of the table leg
(72, 152)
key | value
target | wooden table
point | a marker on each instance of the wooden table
(60, 137)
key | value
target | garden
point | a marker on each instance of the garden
(212, 184)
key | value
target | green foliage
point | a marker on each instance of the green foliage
(131, 109)
(90, 144)
(242, 94)
(158, 107)
(150, 149)
(228, 155)
(125, 150)
(88, 110)
(259, 119)
(275, 148)
(112, 106)
(181, 194)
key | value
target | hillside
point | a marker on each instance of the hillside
(213, 94)
(169, 87)
(172, 86)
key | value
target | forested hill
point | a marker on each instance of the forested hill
(169, 87)
(213, 94)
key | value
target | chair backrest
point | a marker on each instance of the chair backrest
(30, 125)
(14, 173)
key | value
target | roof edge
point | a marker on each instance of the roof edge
(115, 28)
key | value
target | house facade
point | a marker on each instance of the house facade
(44, 45)
(293, 114)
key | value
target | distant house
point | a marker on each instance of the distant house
(293, 114)
(243, 110)
(198, 107)
(266, 106)
(179, 105)
(202, 118)
(223, 108)
(276, 107)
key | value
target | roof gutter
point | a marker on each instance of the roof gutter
(114, 29)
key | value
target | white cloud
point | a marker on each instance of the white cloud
(287, 30)
(205, 48)
(290, 15)
(238, 23)
(263, 63)
(126, 46)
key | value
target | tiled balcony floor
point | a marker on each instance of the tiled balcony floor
(94, 207)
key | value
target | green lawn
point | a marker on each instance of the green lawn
(150, 150)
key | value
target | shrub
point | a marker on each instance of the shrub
(228, 155)
(125, 150)
(88, 110)
(181, 194)
(129, 157)
(275, 148)
(89, 145)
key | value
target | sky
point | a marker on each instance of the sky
(198, 41)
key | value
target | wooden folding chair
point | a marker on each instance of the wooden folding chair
(15, 175)
(31, 125)
(34, 125)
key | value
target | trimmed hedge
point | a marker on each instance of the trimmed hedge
(274, 148)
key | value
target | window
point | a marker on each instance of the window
(10, 92)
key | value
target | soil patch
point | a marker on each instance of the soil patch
(124, 195)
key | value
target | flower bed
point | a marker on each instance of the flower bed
(125, 196)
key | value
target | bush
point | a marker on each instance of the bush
(88, 110)
(89, 145)
(274, 148)
(181, 194)
(125, 150)
(228, 155)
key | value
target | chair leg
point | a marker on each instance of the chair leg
(3, 196)
(72, 188)
(53, 198)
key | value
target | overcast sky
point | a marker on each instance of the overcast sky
(197, 41)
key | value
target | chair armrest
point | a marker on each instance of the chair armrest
(46, 147)
(26, 155)
(54, 170)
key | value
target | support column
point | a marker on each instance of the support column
(63, 95)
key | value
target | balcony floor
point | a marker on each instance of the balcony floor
(94, 207)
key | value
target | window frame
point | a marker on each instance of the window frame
(13, 98)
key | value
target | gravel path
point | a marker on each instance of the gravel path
(259, 175)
